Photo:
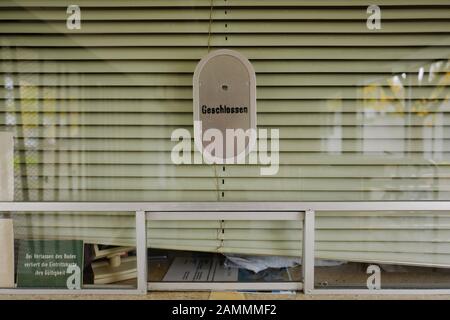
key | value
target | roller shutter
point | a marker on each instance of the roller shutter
(363, 115)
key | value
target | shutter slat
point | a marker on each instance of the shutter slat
(206, 3)
(238, 27)
(185, 80)
(354, 68)
(305, 171)
(235, 40)
(186, 53)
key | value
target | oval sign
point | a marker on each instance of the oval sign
(224, 107)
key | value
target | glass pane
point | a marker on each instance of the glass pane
(387, 250)
(225, 251)
(68, 250)
(357, 115)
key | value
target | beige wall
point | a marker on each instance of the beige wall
(6, 167)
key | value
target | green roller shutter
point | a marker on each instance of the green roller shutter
(363, 115)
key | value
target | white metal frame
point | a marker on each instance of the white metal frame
(208, 214)
(223, 211)
(308, 251)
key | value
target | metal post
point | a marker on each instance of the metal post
(308, 251)
(141, 251)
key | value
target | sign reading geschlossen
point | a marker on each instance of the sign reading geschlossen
(224, 107)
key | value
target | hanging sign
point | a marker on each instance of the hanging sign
(224, 107)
